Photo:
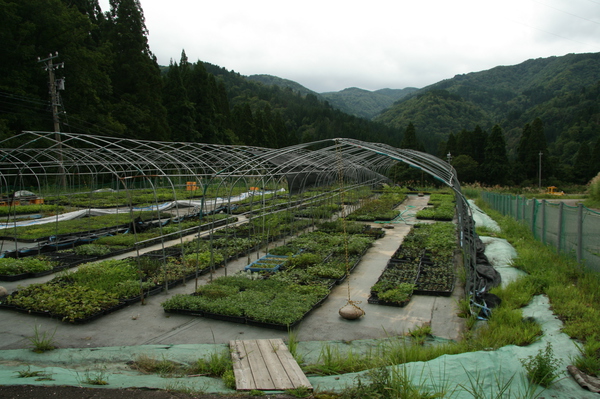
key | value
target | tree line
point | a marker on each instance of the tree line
(479, 156)
(115, 87)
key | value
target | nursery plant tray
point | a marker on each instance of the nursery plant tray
(447, 292)
(374, 300)
(14, 277)
(274, 326)
(268, 263)
(223, 317)
(186, 312)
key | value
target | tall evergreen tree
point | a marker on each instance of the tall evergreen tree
(180, 110)
(582, 167)
(463, 143)
(409, 140)
(467, 169)
(531, 144)
(244, 125)
(538, 145)
(136, 77)
(496, 164)
(479, 139)
(451, 146)
(595, 163)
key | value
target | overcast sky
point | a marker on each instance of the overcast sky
(329, 45)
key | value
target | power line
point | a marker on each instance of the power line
(554, 34)
(23, 98)
(566, 12)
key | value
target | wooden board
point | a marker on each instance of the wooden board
(266, 365)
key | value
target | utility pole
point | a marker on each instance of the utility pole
(56, 84)
(53, 84)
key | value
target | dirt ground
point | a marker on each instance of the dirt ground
(68, 392)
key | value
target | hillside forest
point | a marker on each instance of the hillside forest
(498, 126)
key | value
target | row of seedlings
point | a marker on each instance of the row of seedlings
(281, 297)
(95, 242)
(101, 287)
(422, 265)
(442, 207)
(382, 208)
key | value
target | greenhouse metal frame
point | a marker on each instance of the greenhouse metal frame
(49, 163)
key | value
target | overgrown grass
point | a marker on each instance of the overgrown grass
(392, 383)
(217, 364)
(572, 289)
(588, 360)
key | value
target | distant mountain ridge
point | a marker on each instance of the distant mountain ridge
(364, 103)
(271, 80)
(564, 92)
(353, 101)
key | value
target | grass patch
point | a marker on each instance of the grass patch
(392, 383)
(572, 289)
(588, 360)
(28, 373)
(216, 364)
(93, 377)
(42, 341)
(163, 367)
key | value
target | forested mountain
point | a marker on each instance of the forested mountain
(364, 103)
(353, 101)
(115, 87)
(271, 80)
(562, 92)
(494, 123)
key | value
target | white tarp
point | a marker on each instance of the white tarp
(212, 202)
(482, 219)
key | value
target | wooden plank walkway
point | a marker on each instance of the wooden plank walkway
(266, 365)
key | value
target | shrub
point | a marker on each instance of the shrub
(594, 189)
(542, 368)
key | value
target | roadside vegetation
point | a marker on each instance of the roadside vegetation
(593, 200)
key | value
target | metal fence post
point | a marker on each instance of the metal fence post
(543, 211)
(560, 225)
(580, 233)
(533, 206)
